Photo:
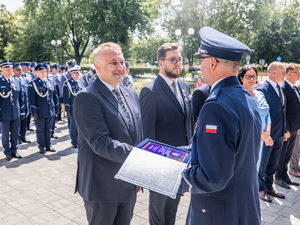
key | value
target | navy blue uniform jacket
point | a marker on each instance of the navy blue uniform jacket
(223, 176)
(39, 103)
(162, 115)
(11, 105)
(70, 90)
(104, 142)
(277, 111)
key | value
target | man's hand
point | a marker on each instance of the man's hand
(68, 115)
(138, 189)
(23, 117)
(298, 131)
(289, 134)
(35, 116)
(286, 136)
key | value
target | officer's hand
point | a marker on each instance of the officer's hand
(23, 117)
(35, 116)
(68, 115)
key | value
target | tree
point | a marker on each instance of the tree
(7, 29)
(79, 23)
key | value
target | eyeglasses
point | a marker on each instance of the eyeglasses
(248, 77)
(199, 59)
(296, 72)
(174, 60)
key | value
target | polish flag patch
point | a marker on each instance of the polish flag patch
(211, 129)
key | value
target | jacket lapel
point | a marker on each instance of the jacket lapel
(184, 95)
(291, 90)
(169, 92)
(272, 90)
(109, 96)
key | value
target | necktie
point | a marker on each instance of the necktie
(177, 95)
(126, 81)
(280, 95)
(124, 107)
(297, 92)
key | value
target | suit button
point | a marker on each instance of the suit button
(13, 104)
(204, 210)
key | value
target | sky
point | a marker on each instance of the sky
(12, 5)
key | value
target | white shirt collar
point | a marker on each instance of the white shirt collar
(168, 81)
(273, 83)
(212, 87)
(109, 86)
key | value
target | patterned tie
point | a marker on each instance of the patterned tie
(297, 92)
(280, 95)
(177, 94)
(124, 107)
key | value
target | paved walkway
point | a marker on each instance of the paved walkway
(39, 189)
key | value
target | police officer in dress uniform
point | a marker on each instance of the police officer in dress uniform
(222, 178)
(128, 81)
(32, 69)
(11, 109)
(71, 88)
(87, 77)
(55, 73)
(52, 76)
(24, 85)
(43, 102)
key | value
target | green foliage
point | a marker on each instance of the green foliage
(155, 70)
(137, 71)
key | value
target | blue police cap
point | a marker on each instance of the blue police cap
(40, 66)
(219, 45)
(62, 68)
(6, 63)
(127, 64)
(25, 64)
(71, 63)
(33, 64)
(55, 65)
(93, 69)
(17, 66)
(75, 69)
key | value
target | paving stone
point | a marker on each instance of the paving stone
(268, 216)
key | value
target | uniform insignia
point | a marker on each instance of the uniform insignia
(213, 95)
(126, 94)
(3, 93)
(41, 93)
(2, 79)
(211, 129)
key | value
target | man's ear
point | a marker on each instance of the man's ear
(213, 63)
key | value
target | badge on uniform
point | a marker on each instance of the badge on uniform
(211, 129)
(183, 92)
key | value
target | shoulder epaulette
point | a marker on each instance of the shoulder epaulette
(213, 95)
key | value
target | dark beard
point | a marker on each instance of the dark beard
(172, 75)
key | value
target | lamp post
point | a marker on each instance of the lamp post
(56, 43)
(191, 31)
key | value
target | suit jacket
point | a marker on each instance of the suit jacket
(11, 101)
(70, 90)
(277, 111)
(104, 141)
(162, 115)
(199, 97)
(226, 141)
(292, 107)
(39, 103)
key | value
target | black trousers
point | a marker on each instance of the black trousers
(285, 156)
(162, 209)
(110, 213)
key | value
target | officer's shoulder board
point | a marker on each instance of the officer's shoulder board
(213, 95)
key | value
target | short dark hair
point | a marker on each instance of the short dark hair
(161, 52)
(243, 70)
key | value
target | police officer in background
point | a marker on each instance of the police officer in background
(223, 177)
(24, 86)
(56, 77)
(71, 88)
(11, 109)
(43, 102)
(62, 70)
(87, 77)
(26, 69)
(128, 81)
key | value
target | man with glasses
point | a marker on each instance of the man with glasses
(222, 178)
(167, 117)
(292, 95)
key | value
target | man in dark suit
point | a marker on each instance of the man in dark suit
(223, 177)
(199, 97)
(109, 125)
(271, 154)
(292, 122)
(167, 117)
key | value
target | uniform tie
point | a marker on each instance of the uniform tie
(124, 107)
(280, 95)
(177, 95)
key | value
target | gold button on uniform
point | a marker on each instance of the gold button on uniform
(203, 210)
